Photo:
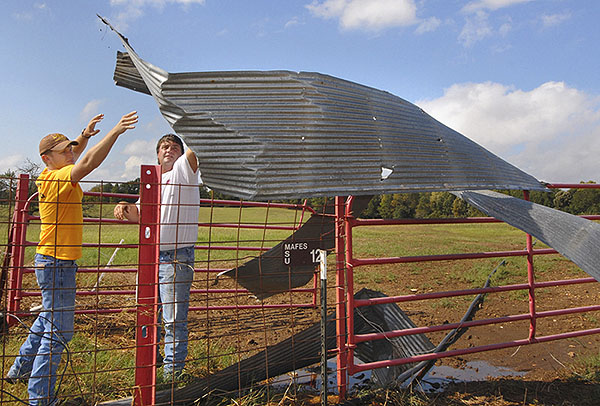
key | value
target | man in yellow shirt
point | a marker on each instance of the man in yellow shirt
(60, 243)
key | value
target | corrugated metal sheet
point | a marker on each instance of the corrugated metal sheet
(280, 134)
(574, 237)
(381, 318)
(267, 274)
(302, 350)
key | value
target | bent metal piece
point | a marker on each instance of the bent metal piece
(574, 237)
(302, 350)
(267, 135)
(268, 274)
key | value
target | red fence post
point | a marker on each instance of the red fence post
(530, 279)
(351, 340)
(147, 287)
(18, 232)
(340, 297)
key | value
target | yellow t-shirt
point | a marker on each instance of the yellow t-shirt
(61, 214)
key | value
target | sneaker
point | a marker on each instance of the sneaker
(13, 377)
(159, 359)
(173, 376)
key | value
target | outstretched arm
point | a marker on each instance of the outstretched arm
(94, 157)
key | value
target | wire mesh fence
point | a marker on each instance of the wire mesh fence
(254, 320)
(227, 323)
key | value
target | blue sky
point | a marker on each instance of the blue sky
(520, 77)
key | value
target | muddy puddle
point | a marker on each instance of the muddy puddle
(437, 379)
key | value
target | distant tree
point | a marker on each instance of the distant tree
(33, 169)
(562, 200)
(372, 210)
(460, 208)
(405, 205)
(543, 198)
(423, 209)
(585, 201)
(386, 210)
(441, 204)
(8, 186)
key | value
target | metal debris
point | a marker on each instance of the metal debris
(268, 274)
(266, 135)
(299, 351)
(574, 237)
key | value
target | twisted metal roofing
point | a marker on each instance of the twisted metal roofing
(302, 350)
(279, 134)
(574, 237)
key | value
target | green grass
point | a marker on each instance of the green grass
(102, 367)
(231, 237)
(587, 368)
(99, 365)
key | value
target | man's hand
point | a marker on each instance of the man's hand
(90, 129)
(126, 123)
(126, 211)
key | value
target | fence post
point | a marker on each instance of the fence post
(147, 286)
(530, 279)
(323, 273)
(340, 298)
(17, 251)
(350, 341)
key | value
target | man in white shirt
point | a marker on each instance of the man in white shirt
(180, 203)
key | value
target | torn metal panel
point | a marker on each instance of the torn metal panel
(574, 237)
(381, 318)
(267, 135)
(299, 351)
(418, 371)
(268, 274)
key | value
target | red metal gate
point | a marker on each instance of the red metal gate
(145, 289)
(346, 360)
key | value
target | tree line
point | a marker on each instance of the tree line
(388, 206)
(445, 204)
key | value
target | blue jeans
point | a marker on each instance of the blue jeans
(41, 352)
(175, 276)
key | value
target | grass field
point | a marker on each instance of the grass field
(102, 351)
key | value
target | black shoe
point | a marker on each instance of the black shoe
(15, 379)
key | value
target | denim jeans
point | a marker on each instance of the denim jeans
(41, 352)
(175, 276)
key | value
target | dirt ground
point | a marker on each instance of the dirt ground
(544, 372)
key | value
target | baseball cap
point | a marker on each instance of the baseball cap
(55, 142)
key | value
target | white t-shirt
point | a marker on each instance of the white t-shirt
(180, 205)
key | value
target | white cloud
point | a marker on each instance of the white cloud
(292, 22)
(476, 28)
(132, 167)
(554, 19)
(477, 20)
(491, 5)
(366, 14)
(90, 110)
(140, 152)
(552, 131)
(154, 3)
(505, 29)
(140, 147)
(428, 25)
(29, 15)
(134, 9)
(11, 162)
